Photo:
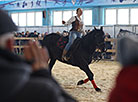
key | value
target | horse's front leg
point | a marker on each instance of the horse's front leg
(90, 77)
(51, 64)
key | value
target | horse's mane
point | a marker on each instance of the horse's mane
(90, 33)
(90, 36)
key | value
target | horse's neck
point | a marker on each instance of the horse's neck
(88, 42)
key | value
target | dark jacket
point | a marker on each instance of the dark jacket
(20, 84)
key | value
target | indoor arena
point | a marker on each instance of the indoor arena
(68, 50)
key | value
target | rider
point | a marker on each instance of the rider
(76, 31)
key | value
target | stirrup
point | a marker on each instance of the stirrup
(65, 58)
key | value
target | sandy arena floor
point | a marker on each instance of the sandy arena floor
(104, 71)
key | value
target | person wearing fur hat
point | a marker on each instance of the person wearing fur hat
(25, 79)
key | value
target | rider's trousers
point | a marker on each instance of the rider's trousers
(72, 36)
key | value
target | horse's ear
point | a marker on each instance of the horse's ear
(95, 28)
(121, 30)
(101, 28)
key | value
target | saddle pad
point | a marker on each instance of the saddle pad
(61, 43)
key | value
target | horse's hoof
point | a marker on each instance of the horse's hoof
(98, 90)
(80, 82)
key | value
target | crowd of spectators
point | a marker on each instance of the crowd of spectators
(30, 34)
(41, 35)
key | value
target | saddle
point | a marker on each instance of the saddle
(61, 43)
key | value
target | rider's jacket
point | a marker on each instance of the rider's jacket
(77, 24)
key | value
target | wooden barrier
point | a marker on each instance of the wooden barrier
(20, 47)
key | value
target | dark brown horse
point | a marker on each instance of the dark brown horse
(81, 55)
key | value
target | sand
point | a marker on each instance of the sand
(105, 73)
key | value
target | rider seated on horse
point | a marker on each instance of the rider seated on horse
(76, 31)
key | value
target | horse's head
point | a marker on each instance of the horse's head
(125, 33)
(99, 38)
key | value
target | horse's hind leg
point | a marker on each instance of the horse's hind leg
(83, 81)
(52, 62)
(90, 77)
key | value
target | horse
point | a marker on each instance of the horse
(126, 33)
(81, 56)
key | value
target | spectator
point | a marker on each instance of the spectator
(42, 35)
(108, 45)
(27, 34)
(25, 80)
(46, 33)
(17, 42)
(40, 38)
(35, 34)
(31, 34)
(126, 87)
(22, 42)
(18, 34)
(23, 34)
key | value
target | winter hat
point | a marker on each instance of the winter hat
(6, 23)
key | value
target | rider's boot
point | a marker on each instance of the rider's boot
(64, 55)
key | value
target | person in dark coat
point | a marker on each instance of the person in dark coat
(25, 79)
(126, 86)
